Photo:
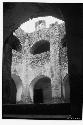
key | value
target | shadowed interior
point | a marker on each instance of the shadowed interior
(40, 47)
(42, 90)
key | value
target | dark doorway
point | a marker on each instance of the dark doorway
(42, 90)
(38, 96)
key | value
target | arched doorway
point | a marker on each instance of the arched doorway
(42, 92)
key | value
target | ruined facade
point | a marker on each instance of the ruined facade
(41, 57)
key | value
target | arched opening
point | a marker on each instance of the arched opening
(8, 91)
(40, 47)
(18, 84)
(66, 88)
(42, 92)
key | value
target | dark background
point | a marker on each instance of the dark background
(16, 13)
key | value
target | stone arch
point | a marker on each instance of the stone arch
(9, 87)
(19, 86)
(10, 84)
(41, 82)
(66, 88)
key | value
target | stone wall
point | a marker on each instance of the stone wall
(28, 66)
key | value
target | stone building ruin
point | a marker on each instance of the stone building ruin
(41, 63)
